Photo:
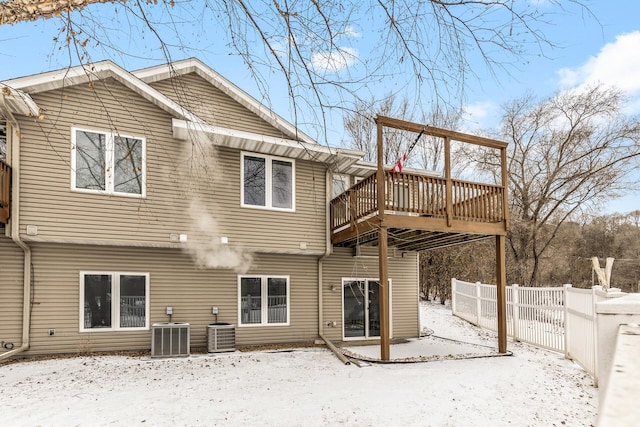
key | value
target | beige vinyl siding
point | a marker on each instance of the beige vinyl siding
(11, 292)
(303, 285)
(174, 281)
(404, 284)
(46, 197)
(213, 105)
(272, 230)
(174, 179)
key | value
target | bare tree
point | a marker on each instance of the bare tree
(360, 132)
(30, 10)
(566, 154)
(424, 48)
(360, 127)
(471, 262)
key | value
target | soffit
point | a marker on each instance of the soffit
(338, 160)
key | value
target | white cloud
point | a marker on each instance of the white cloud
(335, 60)
(616, 64)
(480, 115)
(351, 32)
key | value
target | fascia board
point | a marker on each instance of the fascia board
(95, 72)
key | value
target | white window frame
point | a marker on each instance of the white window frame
(365, 279)
(115, 301)
(264, 287)
(109, 163)
(268, 161)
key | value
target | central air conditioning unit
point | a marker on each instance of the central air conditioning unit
(170, 339)
(221, 337)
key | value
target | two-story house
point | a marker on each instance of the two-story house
(128, 198)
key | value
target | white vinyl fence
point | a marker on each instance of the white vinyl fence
(561, 319)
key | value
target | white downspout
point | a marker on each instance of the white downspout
(327, 252)
(14, 136)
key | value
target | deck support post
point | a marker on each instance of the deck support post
(382, 252)
(505, 186)
(384, 295)
(501, 280)
(449, 184)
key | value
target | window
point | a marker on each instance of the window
(114, 301)
(263, 300)
(108, 163)
(340, 184)
(268, 182)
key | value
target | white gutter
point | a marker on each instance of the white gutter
(328, 250)
(14, 136)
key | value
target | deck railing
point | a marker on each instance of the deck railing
(421, 195)
(5, 191)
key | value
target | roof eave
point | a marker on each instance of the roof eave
(98, 71)
(338, 159)
(18, 102)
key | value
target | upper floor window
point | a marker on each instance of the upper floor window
(107, 162)
(268, 182)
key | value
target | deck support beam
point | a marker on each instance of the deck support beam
(501, 279)
(382, 252)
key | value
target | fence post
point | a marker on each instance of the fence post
(454, 290)
(515, 310)
(594, 323)
(567, 338)
(479, 302)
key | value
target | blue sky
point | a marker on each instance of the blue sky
(604, 47)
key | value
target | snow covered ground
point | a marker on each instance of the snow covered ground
(307, 387)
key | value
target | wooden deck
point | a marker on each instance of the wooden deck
(419, 212)
(422, 212)
(5, 192)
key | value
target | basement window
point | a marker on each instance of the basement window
(114, 301)
(264, 300)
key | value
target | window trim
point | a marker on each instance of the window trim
(264, 287)
(109, 163)
(268, 182)
(115, 308)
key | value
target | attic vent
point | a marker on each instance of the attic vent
(170, 339)
(221, 337)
